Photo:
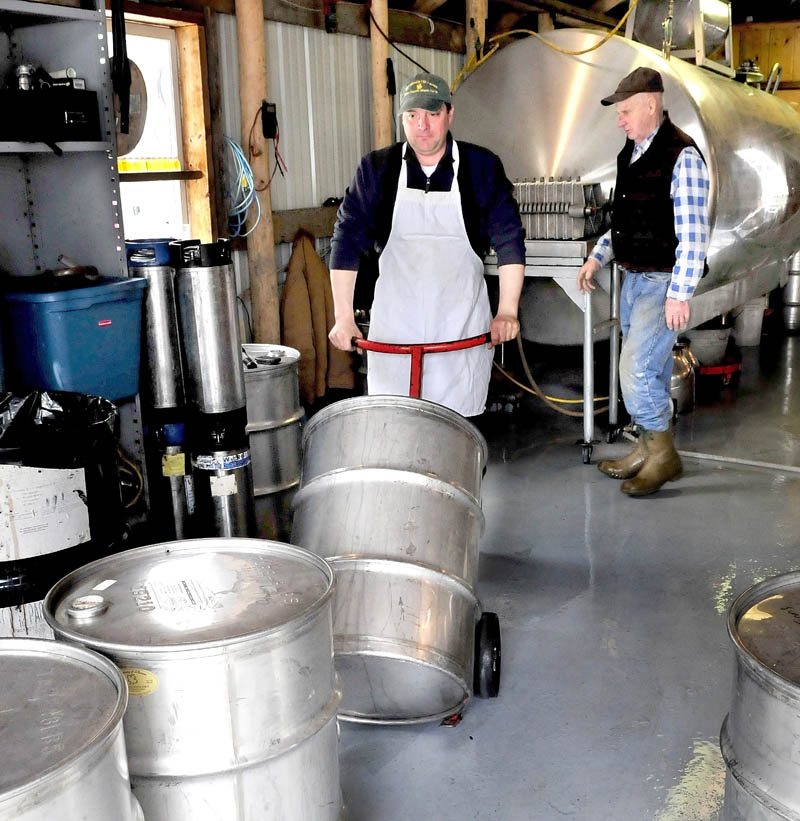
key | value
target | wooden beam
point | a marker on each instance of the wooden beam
(147, 13)
(508, 21)
(159, 176)
(604, 6)
(195, 124)
(317, 221)
(576, 12)
(352, 18)
(475, 23)
(218, 147)
(427, 6)
(379, 53)
(253, 88)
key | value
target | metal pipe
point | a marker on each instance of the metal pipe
(588, 371)
(614, 347)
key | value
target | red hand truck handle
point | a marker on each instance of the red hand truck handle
(418, 350)
(425, 347)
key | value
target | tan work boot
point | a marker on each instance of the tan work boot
(629, 465)
(662, 465)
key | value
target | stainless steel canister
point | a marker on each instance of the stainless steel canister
(206, 290)
(760, 737)
(162, 368)
(226, 645)
(390, 494)
(61, 738)
(682, 382)
(791, 295)
(223, 493)
(274, 425)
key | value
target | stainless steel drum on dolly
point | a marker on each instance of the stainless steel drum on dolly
(390, 495)
(61, 741)
(760, 737)
(227, 648)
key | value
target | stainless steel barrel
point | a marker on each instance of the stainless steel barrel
(61, 738)
(791, 295)
(162, 370)
(274, 425)
(390, 494)
(226, 645)
(759, 738)
(209, 328)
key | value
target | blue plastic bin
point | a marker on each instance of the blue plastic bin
(86, 340)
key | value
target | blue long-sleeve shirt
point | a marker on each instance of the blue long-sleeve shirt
(491, 214)
(689, 192)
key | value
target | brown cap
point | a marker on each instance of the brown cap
(640, 79)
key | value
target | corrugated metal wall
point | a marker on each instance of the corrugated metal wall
(322, 88)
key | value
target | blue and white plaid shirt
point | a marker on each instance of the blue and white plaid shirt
(689, 192)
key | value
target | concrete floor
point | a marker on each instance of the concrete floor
(616, 665)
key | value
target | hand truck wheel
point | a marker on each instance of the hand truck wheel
(486, 682)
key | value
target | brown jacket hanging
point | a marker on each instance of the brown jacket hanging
(306, 319)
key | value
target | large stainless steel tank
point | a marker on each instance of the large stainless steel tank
(61, 738)
(540, 111)
(760, 738)
(227, 648)
(390, 494)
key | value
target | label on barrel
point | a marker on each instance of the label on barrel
(140, 682)
(223, 485)
(228, 461)
(173, 464)
(42, 510)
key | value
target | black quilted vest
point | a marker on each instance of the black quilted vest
(643, 222)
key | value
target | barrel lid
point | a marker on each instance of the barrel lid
(142, 253)
(57, 702)
(768, 627)
(187, 595)
(257, 357)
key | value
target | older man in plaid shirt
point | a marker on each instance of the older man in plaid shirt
(659, 235)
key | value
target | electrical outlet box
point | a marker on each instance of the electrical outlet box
(269, 120)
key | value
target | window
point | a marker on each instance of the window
(164, 192)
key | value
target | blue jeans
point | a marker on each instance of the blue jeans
(645, 362)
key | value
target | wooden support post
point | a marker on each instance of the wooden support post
(544, 22)
(211, 26)
(477, 12)
(196, 127)
(260, 243)
(381, 101)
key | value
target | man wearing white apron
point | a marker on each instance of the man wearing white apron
(431, 285)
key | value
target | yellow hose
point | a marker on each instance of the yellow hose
(471, 64)
(550, 401)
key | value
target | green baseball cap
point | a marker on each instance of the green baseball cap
(426, 91)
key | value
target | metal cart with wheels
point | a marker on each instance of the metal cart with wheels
(390, 496)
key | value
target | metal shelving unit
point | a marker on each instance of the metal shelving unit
(66, 204)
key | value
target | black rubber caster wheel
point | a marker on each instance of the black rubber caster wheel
(487, 656)
(587, 454)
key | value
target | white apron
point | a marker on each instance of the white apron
(431, 288)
